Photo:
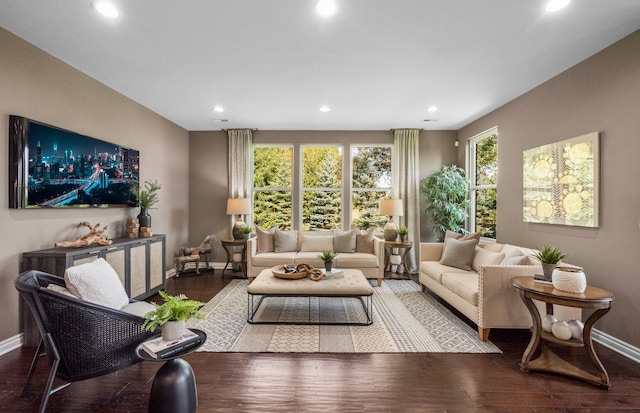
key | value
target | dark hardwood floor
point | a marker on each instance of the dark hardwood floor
(241, 382)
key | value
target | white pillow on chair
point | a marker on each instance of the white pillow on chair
(96, 282)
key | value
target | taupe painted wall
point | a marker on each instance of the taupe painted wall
(37, 85)
(600, 94)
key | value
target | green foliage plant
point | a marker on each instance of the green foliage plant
(403, 231)
(246, 229)
(549, 255)
(446, 192)
(149, 196)
(174, 308)
(327, 255)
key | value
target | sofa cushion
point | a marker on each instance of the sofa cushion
(458, 253)
(285, 241)
(271, 259)
(310, 258)
(315, 243)
(355, 260)
(465, 285)
(485, 257)
(461, 237)
(509, 250)
(266, 241)
(515, 257)
(434, 270)
(491, 246)
(98, 283)
(364, 240)
(344, 241)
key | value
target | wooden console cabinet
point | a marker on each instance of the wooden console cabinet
(139, 263)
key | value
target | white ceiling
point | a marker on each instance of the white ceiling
(378, 64)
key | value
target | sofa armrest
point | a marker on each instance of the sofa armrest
(252, 250)
(378, 250)
(431, 251)
(499, 304)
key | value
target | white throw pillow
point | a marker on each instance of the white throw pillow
(285, 241)
(485, 257)
(316, 243)
(96, 282)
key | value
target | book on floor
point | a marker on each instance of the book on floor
(159, 348)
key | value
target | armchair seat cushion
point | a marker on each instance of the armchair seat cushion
(139, 308)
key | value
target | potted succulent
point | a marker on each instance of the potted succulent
(403, 232)
(148, 197)
(327, 256)
(549, 256)
(172, 315)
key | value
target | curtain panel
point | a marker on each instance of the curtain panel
(239, 163)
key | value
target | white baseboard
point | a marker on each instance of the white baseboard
(619, 346)
(10, 344)
(192, 266)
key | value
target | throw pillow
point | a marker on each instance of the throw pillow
(96, 282)
(459, 254)
(364, 240)
(316, 243)
(515, 257)
(285, 241)
(485, 257)
(461, 237)
(344, 241)
(266, 242)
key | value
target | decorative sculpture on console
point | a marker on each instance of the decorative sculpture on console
(95, 236)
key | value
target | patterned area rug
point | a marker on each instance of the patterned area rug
(405, 320)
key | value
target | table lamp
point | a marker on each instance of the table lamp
(240, 207)
(391, 208)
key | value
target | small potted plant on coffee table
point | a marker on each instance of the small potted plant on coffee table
(549, 256)
(327, 256)
(172, 315)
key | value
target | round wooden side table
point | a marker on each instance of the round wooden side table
(229, 246)
(593, 298)
(405, 246)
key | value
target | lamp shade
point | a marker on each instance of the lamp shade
(238, 206)
(391, 207)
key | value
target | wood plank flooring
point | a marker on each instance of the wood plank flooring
(241, 382)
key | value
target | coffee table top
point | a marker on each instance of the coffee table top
(353, 283)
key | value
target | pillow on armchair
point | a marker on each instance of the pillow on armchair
(96, 282)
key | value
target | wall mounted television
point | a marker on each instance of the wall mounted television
(50, 167)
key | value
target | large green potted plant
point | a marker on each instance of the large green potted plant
(446, 193)
(147, 198)
(172, 315)
(549, 256)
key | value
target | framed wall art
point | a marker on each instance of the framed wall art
(560, 182)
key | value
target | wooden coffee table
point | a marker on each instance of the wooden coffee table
(352, 285)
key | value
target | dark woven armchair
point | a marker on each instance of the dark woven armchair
(81, 340)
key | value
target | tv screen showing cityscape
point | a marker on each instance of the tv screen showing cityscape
(53, 168)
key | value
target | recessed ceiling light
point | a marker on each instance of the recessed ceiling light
(432, 109)
(220, 120)
(326, 8)
(219, 109)
(106, 9)
(555, 5)
(324, 109)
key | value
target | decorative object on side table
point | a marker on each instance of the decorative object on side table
(240, 207)
(95, 236)
(246, 232)
(172, 315)
(446, 191)
(391, 208)
(569, 279)
(148, 198)
(327, 256)
(403, 232)
(549, 256)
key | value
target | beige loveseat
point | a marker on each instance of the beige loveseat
(484, 293)
(355, 249)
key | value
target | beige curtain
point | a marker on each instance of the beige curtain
(239, 173)
(406, 180)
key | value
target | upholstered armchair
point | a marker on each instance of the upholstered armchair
(81, 340)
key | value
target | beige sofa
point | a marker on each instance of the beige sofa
(367, 254)
(484, 293)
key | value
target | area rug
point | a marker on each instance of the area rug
(405, 320)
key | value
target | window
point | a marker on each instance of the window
(272, 186)
(370, 181)
(321, 188)
(483, 167)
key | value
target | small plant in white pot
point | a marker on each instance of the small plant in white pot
(172, 315)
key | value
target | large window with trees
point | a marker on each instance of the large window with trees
(483, 174)
(370, 181)
(273, 186)
(321, 188)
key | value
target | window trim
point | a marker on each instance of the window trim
(471, 175)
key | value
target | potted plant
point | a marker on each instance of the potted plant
(246, 231)
(148, 197)
(327, 256)
(403, 232)
(549, 256)
(446, 192)
(172, 315)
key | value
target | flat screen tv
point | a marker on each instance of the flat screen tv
(51, 167)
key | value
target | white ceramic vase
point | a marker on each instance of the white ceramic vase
(173, 330)
(569, 279)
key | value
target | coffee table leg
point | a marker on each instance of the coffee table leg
(174, 389)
